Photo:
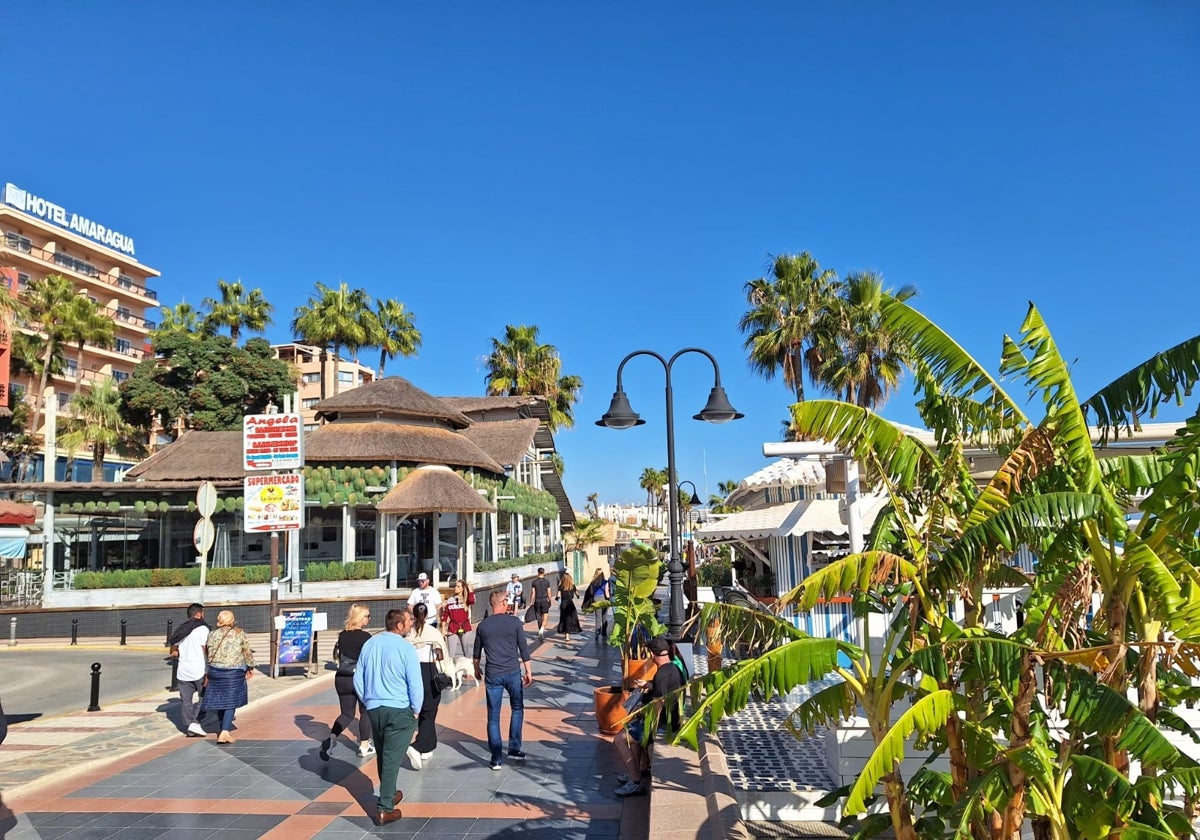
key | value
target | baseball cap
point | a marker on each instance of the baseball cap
(659, 645)
(515, 576)
(422, 576)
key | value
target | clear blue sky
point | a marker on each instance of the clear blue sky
(615, 172)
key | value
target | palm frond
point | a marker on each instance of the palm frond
(825, 707)
(1164, 377)
(1092, 706)
(867, 436)
(847, 575)
(927, 715)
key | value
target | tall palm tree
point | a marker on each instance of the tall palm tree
(45, 300)
(652, 482)
(520, 364)
(237, 309)
(782, 323)
(181, 318)
(593, 505)
(83, 323)
(398, 334)
(335, 317)
(862, 359)
(98, 424)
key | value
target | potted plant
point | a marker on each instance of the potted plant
(635, 623)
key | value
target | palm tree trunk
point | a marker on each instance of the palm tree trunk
(1019, 736)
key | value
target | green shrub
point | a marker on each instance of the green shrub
(361, 570)
(90, 507)
(168, 577)
(139, 507)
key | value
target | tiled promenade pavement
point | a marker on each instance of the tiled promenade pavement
(271, 783)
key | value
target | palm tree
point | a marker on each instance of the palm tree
(336, 318)
(584, 533)
(521, 365)
(181, 318)
(785, 312)
(593, 505)
(236, 309)
(653, 481)
(398, 334)
(83, 323)
(98, 424)
(862, 360)
(45, 299)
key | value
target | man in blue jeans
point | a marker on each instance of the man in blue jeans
(500, 638)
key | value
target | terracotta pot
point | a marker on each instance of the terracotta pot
(638, 669)
(610, 707)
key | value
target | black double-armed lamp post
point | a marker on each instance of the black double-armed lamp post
(621, 416)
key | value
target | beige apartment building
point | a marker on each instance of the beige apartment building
(40, 237)
(314, 371)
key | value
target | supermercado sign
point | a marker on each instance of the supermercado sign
(37, 206)
(273, 502)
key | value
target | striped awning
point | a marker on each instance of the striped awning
(826, 516)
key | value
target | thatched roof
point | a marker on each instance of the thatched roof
(390, 397)
(381, 441)
(433, 488)
(500, 408)
(195, 456)
(507, 441)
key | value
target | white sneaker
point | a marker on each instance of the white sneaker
(414, 758)
(196, 730)
(426, 756)
(366, 749)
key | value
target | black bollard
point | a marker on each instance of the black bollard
(174, 686)
(122, 632)
(74, 631)
(94, 706)
(170, 627)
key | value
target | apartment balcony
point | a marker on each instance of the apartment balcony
(74, 267)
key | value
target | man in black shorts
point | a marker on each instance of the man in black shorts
(541, 601)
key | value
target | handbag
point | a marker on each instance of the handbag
(634, 701)
(442, 681)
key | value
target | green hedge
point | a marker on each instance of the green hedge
(335, 570)
(544, 559)
(139, 578)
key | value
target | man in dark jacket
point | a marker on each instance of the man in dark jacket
(667, 678)
(500, 638)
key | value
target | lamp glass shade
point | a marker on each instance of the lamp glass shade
(718, 409)
(620, 414)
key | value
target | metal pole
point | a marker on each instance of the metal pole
(274, 599)
(94, 706)
(174, 686)
(12, 632)
(74, 631)
(170, 627)
(122, 632)
(674, 565)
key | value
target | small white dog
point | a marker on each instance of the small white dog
(463, 667)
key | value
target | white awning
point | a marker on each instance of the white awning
(790, 520)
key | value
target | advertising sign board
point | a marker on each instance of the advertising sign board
(273, 502)
(295, 637)
(273, 441)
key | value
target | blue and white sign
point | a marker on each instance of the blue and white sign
(39, 207)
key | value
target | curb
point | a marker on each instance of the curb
(94, 763)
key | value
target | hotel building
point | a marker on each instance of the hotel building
(317, 375)
(40, 238)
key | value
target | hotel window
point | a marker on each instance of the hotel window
(63, 400)
(310, 378)
(124, 346)
(124, 314)
(72, 368)
(125, 281)
(346, 376)
(310, 402)
(22, 281)
(119, 376)
(17, 242)
(67, 261)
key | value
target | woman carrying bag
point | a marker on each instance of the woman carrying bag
(349, 645)
(230, 666)
(568, 616)
(431, 652)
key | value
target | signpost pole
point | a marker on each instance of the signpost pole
(274, 595)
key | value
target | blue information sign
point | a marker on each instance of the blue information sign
(296, 637)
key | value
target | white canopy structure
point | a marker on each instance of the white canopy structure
(794, 519)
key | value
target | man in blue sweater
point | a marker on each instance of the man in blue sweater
(500, 638)
(388, 681)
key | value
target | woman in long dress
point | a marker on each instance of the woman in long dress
(568, 616)
(431, 648)
(230, 666)
(346, 651)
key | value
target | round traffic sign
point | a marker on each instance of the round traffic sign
(203, 535)
(206, 498)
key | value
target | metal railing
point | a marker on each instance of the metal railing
(75, 266)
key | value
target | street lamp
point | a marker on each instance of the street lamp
(692, 503)
(621, 416)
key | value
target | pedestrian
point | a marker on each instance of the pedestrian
(388, 679)
(230, 666)
(568, 616)
(601, 589)
(431, 650)
(427, 595)
(514, 594)
(189, 646)
(668, 678)
(500, 639)
(346, 651)
(541, 601)
(456, 614)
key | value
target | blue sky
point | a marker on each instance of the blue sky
(614, 173)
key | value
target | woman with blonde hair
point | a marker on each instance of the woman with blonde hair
(345, 653)
(568, 616)
(456, 614)
(230, 665)
(431, 650)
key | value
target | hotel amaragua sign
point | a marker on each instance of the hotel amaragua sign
(37, 206)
